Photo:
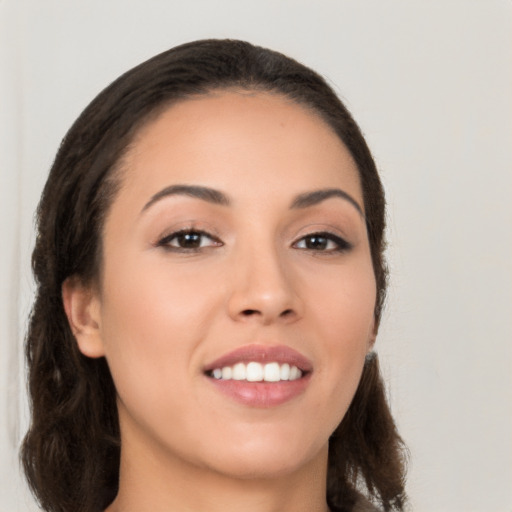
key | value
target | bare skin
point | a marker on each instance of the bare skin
(262, 261)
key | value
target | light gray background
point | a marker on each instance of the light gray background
(430, 82)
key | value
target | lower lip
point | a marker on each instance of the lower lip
(261, 394)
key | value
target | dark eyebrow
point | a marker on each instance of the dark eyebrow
(205, 193)
(217, 197)
(312, 198)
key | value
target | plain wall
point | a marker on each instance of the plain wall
(430, 83)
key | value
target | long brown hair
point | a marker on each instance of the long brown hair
(71, 451)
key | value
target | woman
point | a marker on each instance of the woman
(210, 275)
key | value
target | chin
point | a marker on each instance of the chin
(260, 460)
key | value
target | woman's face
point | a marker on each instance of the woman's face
(236, 242)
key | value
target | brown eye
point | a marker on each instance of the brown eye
(188, 240)
(316, 242)
(323, 242)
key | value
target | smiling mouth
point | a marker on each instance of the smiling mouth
(255, 371)
(261, 376)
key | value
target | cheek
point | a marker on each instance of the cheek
(152, 321)
(344, 329)
(343, 302)
(153, 302)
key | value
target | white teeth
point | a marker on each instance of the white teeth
(227, 372)
(257, 372)
(239, 371)
(294, 373)
(254, 372)
(271, 372)
(285, 371)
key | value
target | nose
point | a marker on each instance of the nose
(263, 289)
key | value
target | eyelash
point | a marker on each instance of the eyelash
(341, 244)
(325, 238)
(165, 242)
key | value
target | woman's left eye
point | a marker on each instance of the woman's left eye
(188, 240)
(323, 242)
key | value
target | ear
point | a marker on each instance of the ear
(372, 336)
(83, 309)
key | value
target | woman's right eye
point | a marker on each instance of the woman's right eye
(188, 240)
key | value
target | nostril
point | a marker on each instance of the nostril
(249, 312)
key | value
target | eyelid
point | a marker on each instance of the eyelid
(175, 234)
(329, 232)
(335, 231)
(342, 245)
(163, 240)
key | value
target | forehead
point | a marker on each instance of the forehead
(244, 137)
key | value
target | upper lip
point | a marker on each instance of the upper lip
(262, 354)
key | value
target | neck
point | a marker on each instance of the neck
(155, 480)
